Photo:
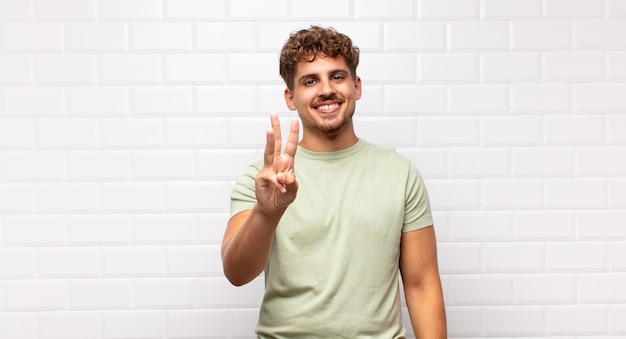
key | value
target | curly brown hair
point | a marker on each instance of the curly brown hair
(307, 44)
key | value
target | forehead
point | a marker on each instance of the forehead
(320, 64)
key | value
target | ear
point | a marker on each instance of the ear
(289, 99)
(357, 87)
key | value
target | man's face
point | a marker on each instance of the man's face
(324, 94)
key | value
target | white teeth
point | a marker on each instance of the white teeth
(327, 107)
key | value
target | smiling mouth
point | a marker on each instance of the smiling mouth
(329, 108)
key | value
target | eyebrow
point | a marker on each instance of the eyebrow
(314, 75)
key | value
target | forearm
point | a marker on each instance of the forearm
(427, 311)
(246, 252)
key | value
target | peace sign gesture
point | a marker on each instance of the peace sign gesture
(275, 184)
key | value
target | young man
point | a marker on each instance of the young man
(332, 219)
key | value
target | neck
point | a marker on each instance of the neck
(328, 143)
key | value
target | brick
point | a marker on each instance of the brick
(195, 9)
(35, 230)
(404, 131)
(243, 322)
(18, 325)
(482, 289)
(483, 99)
(574, 130)
(99, 229)
(341, 10)
(477, 163)
(480, 226)
(17, 263)
(205, 68)
(512, 131)
(617, 193)
(68, 262)
(32, 295)
(35, 102)
(15, 69)
(33, 166)
(448, 9)
(599, 288)
(225, 164)
(464, 321)
(448, 67)
(150, 101)
(514, 257)
(533, 289)
(16, 10)
(582, 9)
(541, 98)
(576, 193)
(16, 198)
(241, 36)
(529, 320)
(541, 35)
(127, 261)
(65, 9)
(577, 257)
(134, 69)
(370, 104)
(616, 126)
(617, 256)
(171, 36)
(252, 68)
(151, 229)
(210, 228)
(67, 133)
(132, 324)
(98, 165)
(216, 292)
(425, 36)
(616, 314)
(482, 36)
(193, 261)
(65, 69)
(432, 163)
(32, 37)
(248, 132)
(168, 165)
(188, 197)
(544, 225)
(126, 9)
(131, 196)
(226, 99)
(509, 67)
(446, 131)
(197, 324)
(605, 225)
(459, 258)
(596, 161)
(573, 67)
(616, 9)
(133, 133)
(616, 66)
(364, 9)
(99, 294)
(543, 162)
(67, 197)
(592, 34)
(559, 320)
(100, 101)
(159, 293)
(513, 194)
(599, 98)
(512, 9)
(16, 134)
(454, 194)
(250, 9)
(365, 35)
(388, 68)
(69, 325)
(195, 132)
(96, 37)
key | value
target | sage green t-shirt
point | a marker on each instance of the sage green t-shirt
(333, 267)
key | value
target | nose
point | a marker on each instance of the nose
(326, 88)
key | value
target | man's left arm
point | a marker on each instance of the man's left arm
(422, 285)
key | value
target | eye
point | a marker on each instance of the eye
(309, 82)
(337, 77)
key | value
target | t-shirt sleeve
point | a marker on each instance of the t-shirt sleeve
(243, 196)
(417, 212)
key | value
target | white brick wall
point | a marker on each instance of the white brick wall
(123, 124)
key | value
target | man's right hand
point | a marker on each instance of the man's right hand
(276, 185)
